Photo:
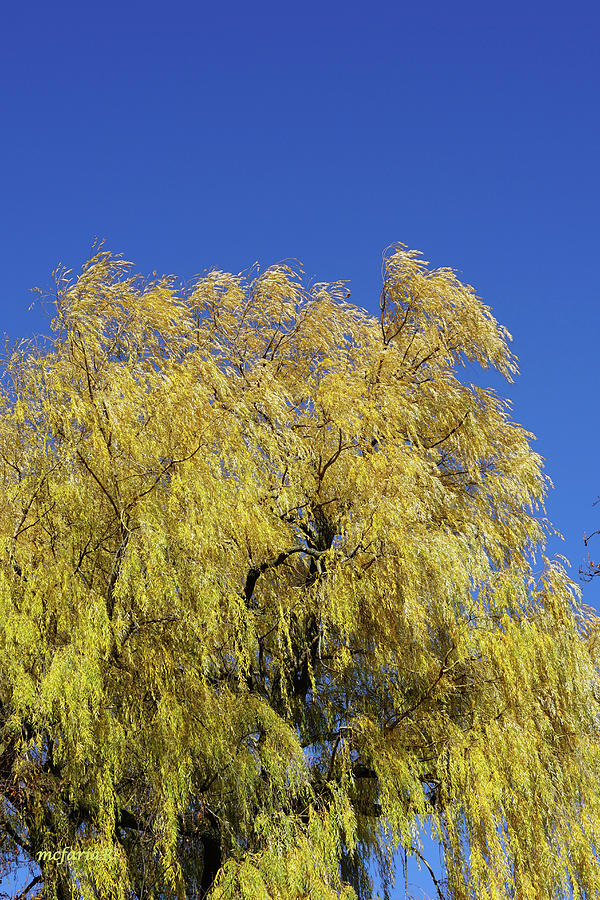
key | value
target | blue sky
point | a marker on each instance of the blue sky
(194, 135)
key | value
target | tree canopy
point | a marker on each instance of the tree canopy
(274, 601)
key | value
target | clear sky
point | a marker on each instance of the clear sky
(194, 135)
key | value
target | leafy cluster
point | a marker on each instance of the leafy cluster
(267, 602)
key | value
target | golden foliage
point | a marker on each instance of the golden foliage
(267, 600)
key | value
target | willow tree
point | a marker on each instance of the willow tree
(270, 609)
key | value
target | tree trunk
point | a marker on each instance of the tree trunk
(211, 844)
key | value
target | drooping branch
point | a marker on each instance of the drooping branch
(431, 872)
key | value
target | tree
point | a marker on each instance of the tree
(268, 600)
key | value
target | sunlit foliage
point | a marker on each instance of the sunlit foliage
(269, 604)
